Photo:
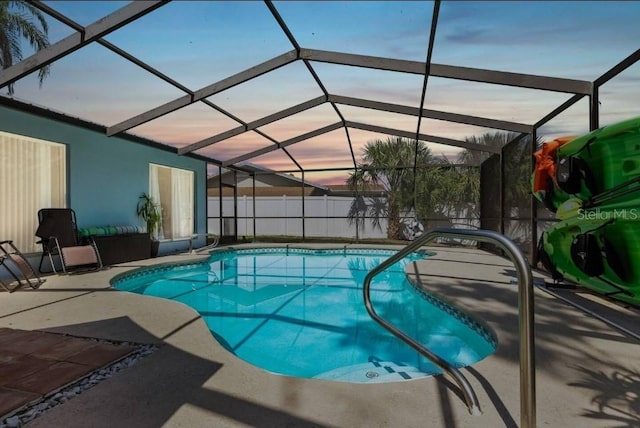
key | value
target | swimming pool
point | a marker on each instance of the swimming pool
(300, 312)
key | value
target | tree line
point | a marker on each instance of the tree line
(417, 183)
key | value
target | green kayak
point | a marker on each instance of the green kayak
(599, 249)
(595, 168)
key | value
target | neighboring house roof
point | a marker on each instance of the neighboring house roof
(333, 190)
(271, 183)
(267, 191)
(345, 190)
(264, 177)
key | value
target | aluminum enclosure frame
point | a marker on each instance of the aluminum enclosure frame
(85, 35)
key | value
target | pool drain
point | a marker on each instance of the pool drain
(371, 374)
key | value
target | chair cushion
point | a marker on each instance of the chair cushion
(77, 256)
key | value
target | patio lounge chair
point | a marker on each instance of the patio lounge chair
(58, 235)
(18, 267)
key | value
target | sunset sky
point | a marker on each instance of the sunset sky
(202, 42)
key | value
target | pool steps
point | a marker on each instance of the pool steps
(375, 372)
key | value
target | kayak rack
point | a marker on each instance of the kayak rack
(525, 317)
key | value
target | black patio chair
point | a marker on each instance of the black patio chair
(58, 233)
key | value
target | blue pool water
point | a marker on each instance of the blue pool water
(300, 312)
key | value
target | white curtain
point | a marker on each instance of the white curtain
(32, 176)
(182, 203)
(173, 189)
(154, 192)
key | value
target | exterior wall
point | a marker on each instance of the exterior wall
(333, 210)
(107, 174)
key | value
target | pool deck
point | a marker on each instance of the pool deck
(587, 373)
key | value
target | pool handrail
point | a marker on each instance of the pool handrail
(525, 316)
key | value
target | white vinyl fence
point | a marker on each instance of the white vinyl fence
(324, 216)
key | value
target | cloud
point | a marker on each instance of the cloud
(465, 35)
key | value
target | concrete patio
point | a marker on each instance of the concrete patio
(587, 373)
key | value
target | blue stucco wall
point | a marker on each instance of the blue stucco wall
(107, 174)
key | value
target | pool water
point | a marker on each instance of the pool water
(300, 312)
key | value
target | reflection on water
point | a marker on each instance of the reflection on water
(302, 313)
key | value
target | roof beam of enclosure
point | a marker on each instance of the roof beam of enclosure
(476, 121)
(296, 45)
(366, 127)
(285, 143)
(207, 91)
(65, 20)
(424, 137)
(520, 80)
(423, 94)
(565, 105)
(451, 72)
(432, 114)
(253, 125)
(618, 68)
(70, 44)
(113, 48)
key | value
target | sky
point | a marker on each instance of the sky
(199, 43)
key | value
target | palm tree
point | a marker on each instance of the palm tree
(445, 191)
(463, 185)
(21, 20)
(516, 178)
(388, 164)
(516, 161)
(495, 140)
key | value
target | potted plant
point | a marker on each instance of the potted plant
(149, 211)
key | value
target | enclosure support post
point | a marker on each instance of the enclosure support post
(235, 205)
(501, 190)
(303, 219)
(594, 109)
(253, 209)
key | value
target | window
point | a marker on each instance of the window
(32, 176)
(172, 188)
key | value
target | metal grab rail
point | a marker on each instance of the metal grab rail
(525, 317)
(216, 241)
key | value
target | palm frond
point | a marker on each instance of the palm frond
(20, 20)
